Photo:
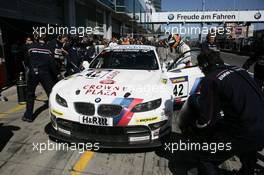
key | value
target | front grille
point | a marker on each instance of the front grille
(109, 110)
(84, 108)
(107, 134)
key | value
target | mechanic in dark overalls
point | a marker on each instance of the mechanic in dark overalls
(231, 92)
(74, 60)
(56, 45)
(42, 69)
(258, 59)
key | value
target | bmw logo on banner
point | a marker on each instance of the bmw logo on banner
(170, 16)
(257, 15)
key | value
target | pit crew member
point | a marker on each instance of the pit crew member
(175, 41)
(42, 69)
(231, 92)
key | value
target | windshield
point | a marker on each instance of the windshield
(141, 60)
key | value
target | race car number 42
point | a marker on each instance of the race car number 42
(98, 121)
(181, 89)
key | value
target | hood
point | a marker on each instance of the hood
(114, 83)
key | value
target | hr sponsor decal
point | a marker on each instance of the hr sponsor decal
(98, 121)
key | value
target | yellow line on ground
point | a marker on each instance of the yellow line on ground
(82, 163)
(17, 108)
(12, 110)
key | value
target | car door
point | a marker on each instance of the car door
(184, 80)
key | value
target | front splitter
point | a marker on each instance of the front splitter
(55, 135)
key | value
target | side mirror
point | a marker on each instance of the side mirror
(85, 65)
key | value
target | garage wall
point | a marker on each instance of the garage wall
(45, 11)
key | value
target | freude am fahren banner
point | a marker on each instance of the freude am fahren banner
(208, 16)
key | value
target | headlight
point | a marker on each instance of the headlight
(61, 101)
(148, 106)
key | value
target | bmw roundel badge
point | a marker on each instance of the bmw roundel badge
(97, 100)
(171, 16)
(77, 92)
(257, 15)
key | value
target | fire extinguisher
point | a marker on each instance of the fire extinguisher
(21, 89)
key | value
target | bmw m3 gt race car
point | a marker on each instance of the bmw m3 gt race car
(123, 100)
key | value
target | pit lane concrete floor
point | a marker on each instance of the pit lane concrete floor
(18, 155)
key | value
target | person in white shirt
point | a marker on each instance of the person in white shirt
(175, 41)
(113, 43)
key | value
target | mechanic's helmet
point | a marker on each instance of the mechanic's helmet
(174, 40)
(208, 60)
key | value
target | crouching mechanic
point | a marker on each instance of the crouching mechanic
(175, 41)
(42, 69)
(231, 92)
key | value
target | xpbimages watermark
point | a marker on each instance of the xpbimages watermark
(51, 146)
(195, 30)
(192, 146)
(59, 30)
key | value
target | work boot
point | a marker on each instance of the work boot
(25, 118)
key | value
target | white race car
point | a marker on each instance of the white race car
(123, 100)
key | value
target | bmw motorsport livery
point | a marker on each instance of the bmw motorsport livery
(124, 99)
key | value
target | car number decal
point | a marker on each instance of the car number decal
(181, 87)
(97, 73)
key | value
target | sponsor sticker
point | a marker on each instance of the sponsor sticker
(136, 139)
(108, 81)
(147, 120)
(164, 81)
(179, 79)
(97, 121)
(104, 89)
